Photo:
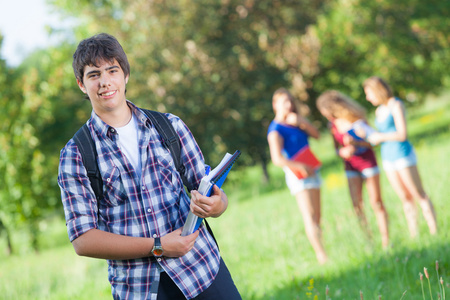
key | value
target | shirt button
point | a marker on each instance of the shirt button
(155, 236)
(112, 130)
(159, 259)
(108, 179)
(143, 188)
(149, 210)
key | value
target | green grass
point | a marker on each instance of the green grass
(262, 239)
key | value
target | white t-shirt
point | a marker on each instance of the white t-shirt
(128, 143)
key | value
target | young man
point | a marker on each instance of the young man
(144, 203)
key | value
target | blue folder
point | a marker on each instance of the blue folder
(215, 177)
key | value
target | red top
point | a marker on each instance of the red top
(357, 162)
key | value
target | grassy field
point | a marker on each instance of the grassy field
(262, 239)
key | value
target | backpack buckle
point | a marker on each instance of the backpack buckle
(171, 140)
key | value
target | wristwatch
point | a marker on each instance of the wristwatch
(157, 250)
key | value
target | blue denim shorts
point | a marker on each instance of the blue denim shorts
(401, 163)
(366, 173)
(296, 185)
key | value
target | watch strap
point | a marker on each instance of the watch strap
(157, 250)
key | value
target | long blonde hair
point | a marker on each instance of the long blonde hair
(379, 87)
(340, 106)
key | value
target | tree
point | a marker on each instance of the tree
(31, 136)
(215, 64)
(5, 80)
(404, 42)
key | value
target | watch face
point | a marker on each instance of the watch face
(158, 251)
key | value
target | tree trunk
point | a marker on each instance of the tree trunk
(266, 177)
(34, 238)
(9, 249)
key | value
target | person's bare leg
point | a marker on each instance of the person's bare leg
(409, 206)
(374, 191)
(411, 179)
(309, 203)
(355, 188)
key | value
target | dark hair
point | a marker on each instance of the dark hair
(98, 48)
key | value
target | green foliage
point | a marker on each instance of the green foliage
(208, 60)
(401, 41)
(262, 237)
(216, 65)
(37, 102)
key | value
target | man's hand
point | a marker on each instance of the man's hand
(175, 245)
(212, 206)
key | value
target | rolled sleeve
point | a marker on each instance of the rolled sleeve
(79, 202)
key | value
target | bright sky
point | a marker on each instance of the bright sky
(22, 24)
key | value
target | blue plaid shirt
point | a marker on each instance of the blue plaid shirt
(151, 206)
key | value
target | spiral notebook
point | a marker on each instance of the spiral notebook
(217, 177)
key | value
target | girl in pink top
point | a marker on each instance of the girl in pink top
(358, 156)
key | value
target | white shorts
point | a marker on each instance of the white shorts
(366, 173)
(401, 163)
(296, 185)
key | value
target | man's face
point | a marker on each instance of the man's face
(105, 86)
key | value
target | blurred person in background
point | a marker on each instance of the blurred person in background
(287, 136)
(397, 153)
(345, 116)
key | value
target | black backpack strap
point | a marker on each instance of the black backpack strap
(171, 140)
(86, 146)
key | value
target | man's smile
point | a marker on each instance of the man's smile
(107, 94)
